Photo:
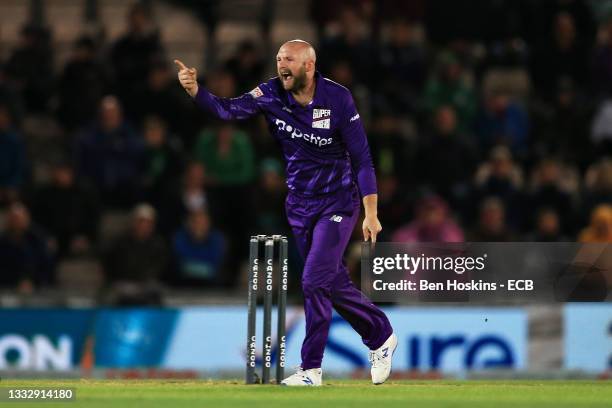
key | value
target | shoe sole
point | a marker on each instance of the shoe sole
(391, 370)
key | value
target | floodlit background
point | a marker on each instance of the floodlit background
(487, 120)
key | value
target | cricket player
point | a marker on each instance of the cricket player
(329, 168)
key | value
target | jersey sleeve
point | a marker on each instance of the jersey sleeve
(241, 107)
(354, 137)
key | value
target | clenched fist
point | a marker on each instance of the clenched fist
(188, 77)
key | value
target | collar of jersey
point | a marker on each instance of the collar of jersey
(316, 99)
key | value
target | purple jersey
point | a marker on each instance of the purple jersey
(324, 143)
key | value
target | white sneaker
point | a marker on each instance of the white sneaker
(381, 360)
(305, 378)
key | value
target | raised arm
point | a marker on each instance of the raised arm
(242, 107)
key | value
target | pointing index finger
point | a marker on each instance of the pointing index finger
(180, 64)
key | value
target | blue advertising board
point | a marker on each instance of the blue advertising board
(587, 337)
(214, 339)
(43, 339)
(445, 339)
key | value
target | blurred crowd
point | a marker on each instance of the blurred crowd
(487, 121)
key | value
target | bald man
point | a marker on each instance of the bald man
(328, 168)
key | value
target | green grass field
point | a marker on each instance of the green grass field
(352, 394)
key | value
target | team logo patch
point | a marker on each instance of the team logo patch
(256, 93)
(321, 118)
(321, 124)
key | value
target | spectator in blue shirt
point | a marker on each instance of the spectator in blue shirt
(25, 258)
(199, 251)
(111, 156)
(503, 121)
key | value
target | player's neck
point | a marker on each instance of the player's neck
(305, 95)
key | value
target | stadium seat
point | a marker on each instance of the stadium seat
(292, 11)
(514, 81)
(113, 16)
(241, 10)
(79, 274)
(230, 33)
(65, 20)
(283, 30)
(112, 224)
(181, 34)
(13, 14)
(418, 32)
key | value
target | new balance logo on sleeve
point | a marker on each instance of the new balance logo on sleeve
(336, 218)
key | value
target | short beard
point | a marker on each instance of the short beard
(299, 81)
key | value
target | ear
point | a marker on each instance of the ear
(310, 65)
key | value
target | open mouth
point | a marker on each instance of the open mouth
(286, 76)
